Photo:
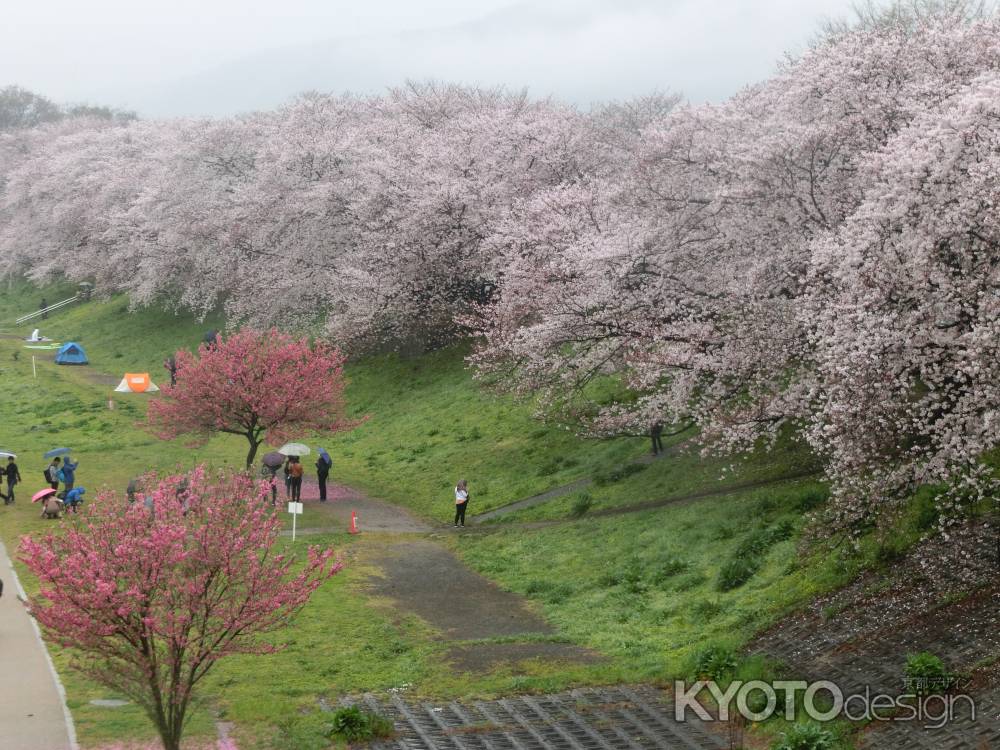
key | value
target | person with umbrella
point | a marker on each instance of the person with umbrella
(52, 473)
(13, 478)
(323, 465)
(271, 463)
(51, 504)
(293, 468)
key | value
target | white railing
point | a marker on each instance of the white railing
(46, 310)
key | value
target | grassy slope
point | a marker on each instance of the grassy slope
(429, 424)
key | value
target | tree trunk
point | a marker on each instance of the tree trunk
(252, 453)
(171, 738)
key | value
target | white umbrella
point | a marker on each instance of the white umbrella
(7, 454)
(294, 449)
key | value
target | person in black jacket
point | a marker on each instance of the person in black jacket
(13, 477)
(323, 465)
(655, 432)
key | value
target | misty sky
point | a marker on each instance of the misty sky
(216, 57)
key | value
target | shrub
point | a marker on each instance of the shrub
(690, 581)
(355, 725)
(812, 498)
(714, 662)
(927, 674)
(609, 476)
(808, 736)
(581, 505)
(668, 568)
(737, 571)
(706, 609)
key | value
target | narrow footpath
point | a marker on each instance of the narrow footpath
(33, 713)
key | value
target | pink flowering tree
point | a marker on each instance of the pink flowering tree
(150, 600)
(263, 385)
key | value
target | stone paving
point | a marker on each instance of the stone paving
(608, 718)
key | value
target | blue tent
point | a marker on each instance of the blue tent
(71, 354)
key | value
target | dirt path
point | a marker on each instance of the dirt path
(33, 713)
(424, 578)
(373, 515)
(565, 489)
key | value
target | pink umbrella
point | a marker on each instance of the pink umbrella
(42, 494)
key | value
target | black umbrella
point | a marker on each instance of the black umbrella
(273, 460)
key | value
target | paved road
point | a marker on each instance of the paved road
(33, 714)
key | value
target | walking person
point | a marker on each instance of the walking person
(44, 308)
(13, 478)
(296, 470)
(323, 465)
(52, 473)
(68, 474)
(461, 502)
(655, 431)
(6, 498)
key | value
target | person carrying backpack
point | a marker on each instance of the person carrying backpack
(52, 473)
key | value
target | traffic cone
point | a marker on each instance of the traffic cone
(354, 523)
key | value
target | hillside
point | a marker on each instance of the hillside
(714, 558)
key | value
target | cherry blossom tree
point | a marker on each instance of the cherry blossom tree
(149, 601)
(260, 385)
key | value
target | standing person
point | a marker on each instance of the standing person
(44, 308)
(323, 465)
(13, 477)
(461, 502)
(170, 363)
(296, 470)
(655, 431)
(69, 474)
(52, 473)
(6, 498)
(287, 469)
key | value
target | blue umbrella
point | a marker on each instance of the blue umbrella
(57, 452)
(325, 456)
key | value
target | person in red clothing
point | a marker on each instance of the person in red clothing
(295, 470)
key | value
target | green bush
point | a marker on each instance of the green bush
(809, 736)
(355, 725)
(583, 503)
(811, 499)
(610, 476)
(927, 674)
(714, 662)
(706, 609)
(737, 571)
(668, 568)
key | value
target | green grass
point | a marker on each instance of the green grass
(638, 588)
(642, 587)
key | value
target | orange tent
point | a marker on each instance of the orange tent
(136, 382)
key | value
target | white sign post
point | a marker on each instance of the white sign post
(296, 510)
